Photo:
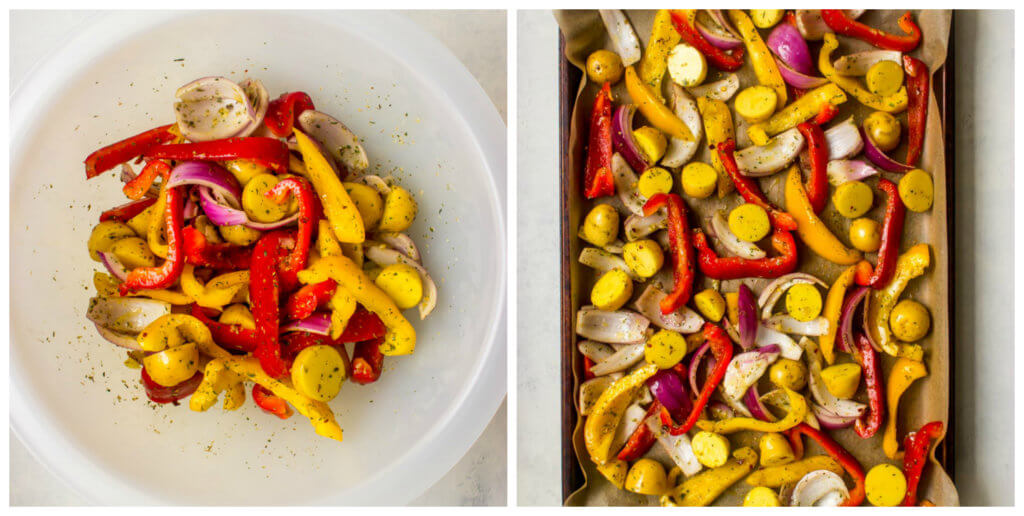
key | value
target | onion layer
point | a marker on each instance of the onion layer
(619, 327)
(844, 170)
(622, 138)
(731, 242)
(880, 159)
(764, 160)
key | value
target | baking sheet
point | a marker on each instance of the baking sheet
(926, 400)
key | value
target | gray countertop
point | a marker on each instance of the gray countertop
(477, 39)
(983, 256)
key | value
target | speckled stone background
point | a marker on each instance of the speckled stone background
(983, 192)
(477, 38)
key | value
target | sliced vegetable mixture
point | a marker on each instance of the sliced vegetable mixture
(255, 249)
(676, 359)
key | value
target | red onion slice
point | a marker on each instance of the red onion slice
(622, 138)
(678, 447)
(683, 320)
(383, 256)
(216, 209)
(785, 323)
(667, 387)
(829, 420)
(679, 151)
(622, 35)
(619, 327)
(626, 185)
(880, 159)
(747, 318)
(694, 366)
(811, 25)
(123, 340)
(787, 43)
(789, 348)
(820, 488)
(797, 79)
(113, 265)
(844, 140)
(839, 407)
(752, 400)
(844, 170)
(402, 243)
(209, 175)
(858, 64)
(719, 410)
(765, 160)
(717, 36)
(846, 316)
(212, 108)
(638, 226)
(771, 294)
(723, 21)
(596, 351)
(129, 315)
(731, 242)
(623, 359)
(340, 143)
(318, 323)
(719, 90)
(259, 99)
(745, 369)
(604, 261)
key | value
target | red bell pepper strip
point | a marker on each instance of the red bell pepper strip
(165, 275)
(232, 337)
(748, 188)
(598, 180)
(161, 394)
(682, 248)
(735, 267)
(843, 457)
(125, 212)
(916, 456)
(296, 261)
(838, 21)
(892, 232)
(367, 361)
(264, 289)
(123, 151)
(588, 365)
(136, 188)
(270, 403)
(817, 152)
(642, 439)
(684, 24)
(303, 302)
(796, 443)
(201, 253)
(721, 349)
(269, 152)
(867, 425)
(362, 326)
(825, 115)
(918, 81)
(283, 112)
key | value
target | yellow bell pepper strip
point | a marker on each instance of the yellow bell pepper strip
(812, 230)
(761, 58)
(217, 292)
(400, 338)
(800, 110)
(107, 286)
(904, 372)
(653, 109)
(155, 233)
(173, 330)
(217, 379)
(339, 209)
(895, 103)
(702, 489)
(319, 414)
(718, 128)
(663, 39)
(342, 305)
(778, 476)
(604, 418)
(326, 244)
(909, 265)
(833, 309)
(796, 415)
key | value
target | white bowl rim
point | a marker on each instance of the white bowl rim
(487, 388)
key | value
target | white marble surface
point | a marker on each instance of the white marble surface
(477, 38)
(984, 209)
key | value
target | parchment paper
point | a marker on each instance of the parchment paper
(927, 399)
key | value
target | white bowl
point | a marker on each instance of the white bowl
(421, 115)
